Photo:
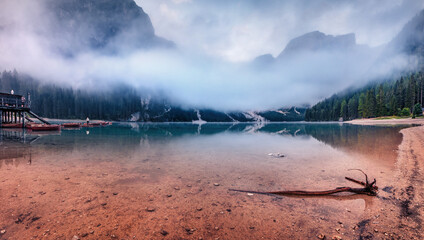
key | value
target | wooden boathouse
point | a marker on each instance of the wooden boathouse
(14, 110)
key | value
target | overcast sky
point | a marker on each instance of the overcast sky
(239, 30)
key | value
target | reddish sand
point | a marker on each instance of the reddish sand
(59, 197)
(373, 121)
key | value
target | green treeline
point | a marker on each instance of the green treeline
(51, 101)
(401, 97)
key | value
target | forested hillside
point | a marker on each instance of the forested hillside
(51, 101)
(401, 97)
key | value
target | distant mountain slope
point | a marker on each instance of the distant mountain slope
(316, 41)
(410, 40)
(308, 43)
(264, 60)
(387, 97)
(107, 25)
(401, 97)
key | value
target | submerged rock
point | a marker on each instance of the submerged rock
(276, 155)
(150, 209)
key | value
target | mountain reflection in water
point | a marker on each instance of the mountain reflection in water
(354, 139)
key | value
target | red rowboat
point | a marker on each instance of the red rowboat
(43, 127)
(71, 125)
(11, 125)
(96, 124)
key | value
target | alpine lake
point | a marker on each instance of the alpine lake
(172, 180)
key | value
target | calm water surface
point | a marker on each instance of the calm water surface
(213, 149)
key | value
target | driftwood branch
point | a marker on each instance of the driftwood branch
(368, 189)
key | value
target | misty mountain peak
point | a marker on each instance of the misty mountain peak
(264, 59)
(107, 25)
(316, 41)
(411, 38)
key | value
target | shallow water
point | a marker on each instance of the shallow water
(179, 168)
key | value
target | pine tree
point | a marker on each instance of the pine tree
(392, 105)
(343, 110)
(381, 106)
(352, 108)
(399, 94)
(361, 106)
(370, 103)
(410, 95)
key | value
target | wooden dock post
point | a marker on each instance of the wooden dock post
(23, 119)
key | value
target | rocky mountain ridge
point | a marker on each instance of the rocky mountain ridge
(107, 26)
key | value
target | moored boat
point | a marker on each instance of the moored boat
(71, 125)
(94, 124)
(43, 127)
(11, 125)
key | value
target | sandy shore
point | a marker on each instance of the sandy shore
(408, 192)
(373, 121)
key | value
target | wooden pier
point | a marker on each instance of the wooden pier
(14, 110)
